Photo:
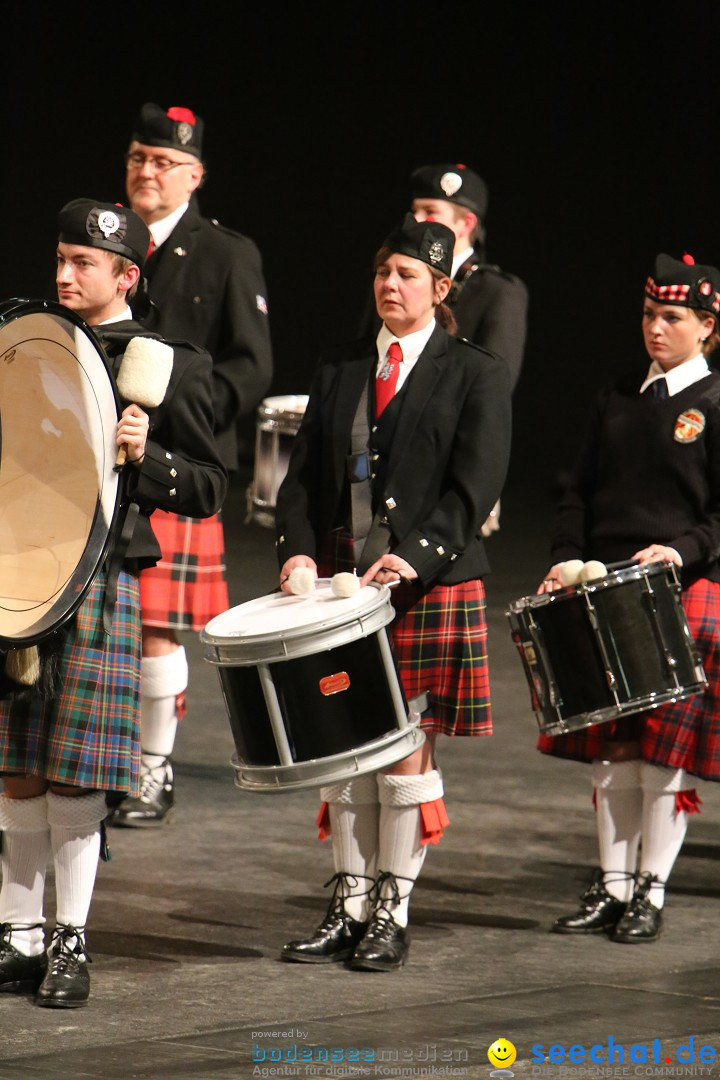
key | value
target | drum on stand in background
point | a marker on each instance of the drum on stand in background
(606, 648)
(278, 422)
(60, 492)
(311, 688)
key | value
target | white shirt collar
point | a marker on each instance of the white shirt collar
(160, 230)
(458, 260)
(412, 346)
(125, 314)
(680, 377)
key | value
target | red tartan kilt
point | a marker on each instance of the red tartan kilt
(440, 644)
(682, 735)
(187, 587)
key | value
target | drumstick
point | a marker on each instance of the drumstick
(143, 377)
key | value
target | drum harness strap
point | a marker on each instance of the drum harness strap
(371, 532)
(124, 529)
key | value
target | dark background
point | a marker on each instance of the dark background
(594, 126)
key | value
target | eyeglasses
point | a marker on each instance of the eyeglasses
(157, 164)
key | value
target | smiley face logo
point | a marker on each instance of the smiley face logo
(502, 1053)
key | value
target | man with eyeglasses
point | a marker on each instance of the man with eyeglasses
(206, 286)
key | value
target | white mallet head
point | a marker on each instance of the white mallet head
(592, 570)
(569, 572)
(301, 580)
(145, 371)
(345, 584)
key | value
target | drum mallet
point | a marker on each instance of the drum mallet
(143, 377)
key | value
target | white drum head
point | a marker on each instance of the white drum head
(58, 488)
(280, 626)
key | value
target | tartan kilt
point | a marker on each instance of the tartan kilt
(89, 735)
(680, 735)
(187, 587)
(439, 640)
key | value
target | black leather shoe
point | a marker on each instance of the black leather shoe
(153, 807)
(598, 913)
(642, 922)
(18, 973)
(384, 947)
(67, 982)
(337, 935)
(334, 939)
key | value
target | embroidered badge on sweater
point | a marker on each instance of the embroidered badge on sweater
(689, 426)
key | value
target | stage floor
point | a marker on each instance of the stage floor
(188, 920)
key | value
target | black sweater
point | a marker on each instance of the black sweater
(646, 476)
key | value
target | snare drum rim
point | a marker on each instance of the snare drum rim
(227, 650)
(612, 579)
(94, 554)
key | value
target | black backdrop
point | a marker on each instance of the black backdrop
(594, 125)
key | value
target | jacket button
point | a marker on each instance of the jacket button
(172, 491)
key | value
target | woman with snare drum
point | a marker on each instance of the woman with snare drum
(400, 457)
(646, 486)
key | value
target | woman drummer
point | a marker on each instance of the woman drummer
(429, 415)
(646, 486)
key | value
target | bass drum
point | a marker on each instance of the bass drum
(58, 487)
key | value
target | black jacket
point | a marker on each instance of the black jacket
(445, 470)
(206, 286)
(182, 470)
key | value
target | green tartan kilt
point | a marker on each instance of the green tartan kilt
(87, 736)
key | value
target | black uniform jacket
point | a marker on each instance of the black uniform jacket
(490, 308)
(182, 470)
(206, 286)
(445, 469)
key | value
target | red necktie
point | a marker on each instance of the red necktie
(387, 377)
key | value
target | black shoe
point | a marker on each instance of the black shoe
(154, 805)
(336, 936)
(598, 913)
(384, 947)
(642, 922)
(67, 982)
(19, 973)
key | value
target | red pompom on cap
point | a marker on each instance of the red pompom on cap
(181, 115)
(688, 259)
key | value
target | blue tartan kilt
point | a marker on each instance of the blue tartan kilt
(682, 734)
(88, 736)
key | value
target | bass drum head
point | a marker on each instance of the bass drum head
(58, 488)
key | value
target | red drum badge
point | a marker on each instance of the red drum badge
(689, 426)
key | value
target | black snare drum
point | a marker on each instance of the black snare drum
(311, 688)
(606, 648)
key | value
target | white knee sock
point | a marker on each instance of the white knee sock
(25, 854)
(75, 842)
(618, 806)
(162, 679)
(354, 812)
(401, 852)
(664, 827)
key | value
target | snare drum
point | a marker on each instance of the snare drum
(311, 688)
(606, 648)
(278, 422)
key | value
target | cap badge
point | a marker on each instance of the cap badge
(705, 287)
(184, 133)
(450, 182)
(689, 426)
(436, 252)
(108, 223)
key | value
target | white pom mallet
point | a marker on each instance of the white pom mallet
(592, 570)
(569, 572)
(143, 377)
(344, 584)
(301, 581)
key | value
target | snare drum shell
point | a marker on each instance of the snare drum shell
(330, 702)
(607, 648)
